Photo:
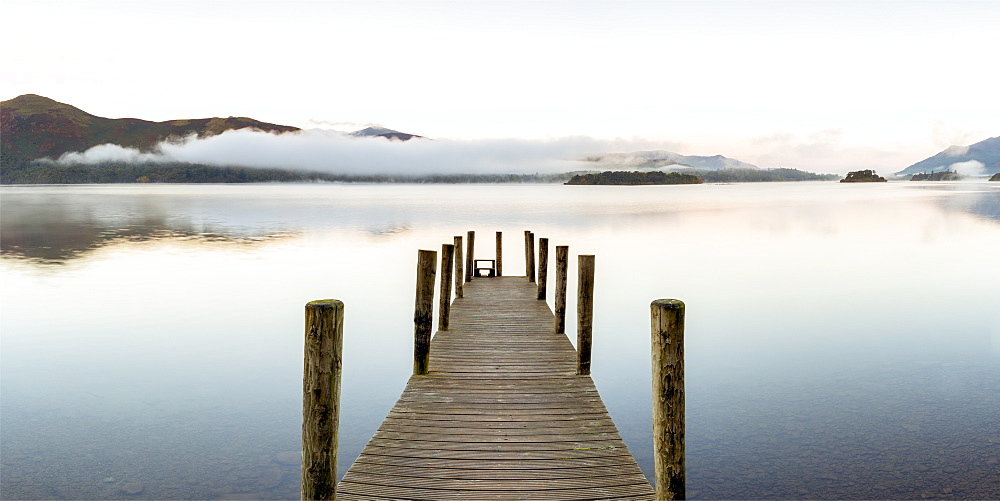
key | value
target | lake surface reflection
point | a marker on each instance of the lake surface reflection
(843, 341)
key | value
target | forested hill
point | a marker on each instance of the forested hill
(986, 152)
(634, 178)
(33, 126)
(708, 176)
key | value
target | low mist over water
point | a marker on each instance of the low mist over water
(843, 341)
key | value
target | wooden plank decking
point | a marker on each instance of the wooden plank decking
(502, 414)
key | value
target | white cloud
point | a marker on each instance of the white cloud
(330, 151)
(109, 153)
(970, 168)
(822, 151)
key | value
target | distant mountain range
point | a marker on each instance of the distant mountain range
(386, 133)
(986, 152)
(33, 126)
(665, 160)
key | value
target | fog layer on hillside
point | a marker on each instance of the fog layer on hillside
(333, 152)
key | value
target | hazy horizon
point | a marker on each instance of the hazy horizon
(334, 152)
(821, 86)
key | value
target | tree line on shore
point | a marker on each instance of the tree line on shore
(48, 172)
(179, 172)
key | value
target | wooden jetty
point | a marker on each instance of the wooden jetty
(500, 415)
(502, 406)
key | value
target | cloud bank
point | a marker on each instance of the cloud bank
(971, 168)
(333, 152)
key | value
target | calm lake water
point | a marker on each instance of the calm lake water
(843, 341)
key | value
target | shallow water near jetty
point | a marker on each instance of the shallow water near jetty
(842, 341)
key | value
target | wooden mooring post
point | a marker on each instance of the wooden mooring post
(470, 264)
(444, 303)
(562, 268)
(499, 262)
(459, 274)
(543, 266)
(530, 251)
(584, 313)
(324, 340)
(527, 253)
(667, 321)
(423, 311)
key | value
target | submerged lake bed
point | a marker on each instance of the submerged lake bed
(842, 341)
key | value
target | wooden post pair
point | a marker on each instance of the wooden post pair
(667, 340)
(584, 303)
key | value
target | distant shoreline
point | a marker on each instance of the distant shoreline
(38, 172)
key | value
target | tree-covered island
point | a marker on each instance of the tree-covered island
(936, 176)
(863, 176)
(635, 178)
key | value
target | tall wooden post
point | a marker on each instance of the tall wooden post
(423, 311)
(324, 339)
(562, 268)
(527, 253)
(543, 266)
(470, 264)
(459, 273)
(531, 257)
(444, 304)
(667, 321)
(584, 313)
(499, 254)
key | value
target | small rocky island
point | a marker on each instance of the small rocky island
(937, 176)
(996, 177)
(863, 176)
(635, 178)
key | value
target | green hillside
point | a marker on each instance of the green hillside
(33, 126)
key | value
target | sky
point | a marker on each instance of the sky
(824, 86)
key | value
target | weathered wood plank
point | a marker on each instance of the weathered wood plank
(498, 464)
(445, 426)
(419, 442)
(500, 414)
(368, 491)
(460, 473)
(492, 484)
(556, 456)
(496, 438)
(532, 465)
(493, 417)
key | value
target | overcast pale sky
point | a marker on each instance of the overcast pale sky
(817, 85)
